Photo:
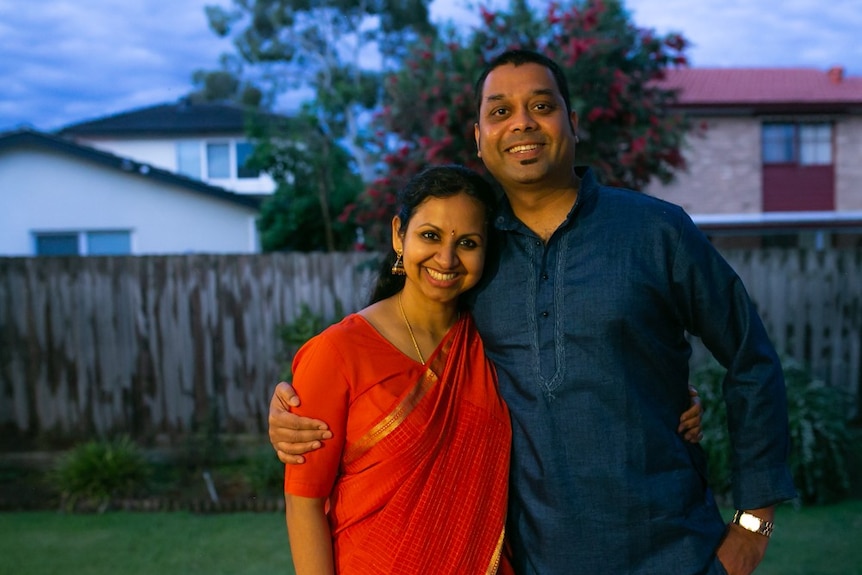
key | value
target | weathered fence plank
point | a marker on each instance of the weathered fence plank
(154, 345)
(161, 345)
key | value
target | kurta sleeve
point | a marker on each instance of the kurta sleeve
(324, 391)
(717, 308)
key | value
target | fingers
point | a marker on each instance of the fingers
(691, 419)
(284, 396)
(694, 435)
(292, 452)
(299, 432)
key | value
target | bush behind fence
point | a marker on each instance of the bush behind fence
(167, 345)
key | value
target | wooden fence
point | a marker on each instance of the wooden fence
(155, 345)
(158, 346)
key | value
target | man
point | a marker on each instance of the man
(584, 314)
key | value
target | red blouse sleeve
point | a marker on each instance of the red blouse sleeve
(324, 392)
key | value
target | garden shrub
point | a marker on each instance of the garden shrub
(98, 471)
(265, 473)
(819, 435)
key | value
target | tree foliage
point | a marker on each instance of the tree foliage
(627, 131)
(286, 46)
(315, 182)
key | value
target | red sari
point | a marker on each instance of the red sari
(417, 471)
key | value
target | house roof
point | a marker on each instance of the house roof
(32, 138)
(765, 87)
(180, 117)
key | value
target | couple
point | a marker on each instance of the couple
(583, 307)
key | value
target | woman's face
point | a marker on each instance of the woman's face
(443, 246)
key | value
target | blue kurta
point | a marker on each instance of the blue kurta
(588, 336)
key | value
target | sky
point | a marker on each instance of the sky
(66, 61)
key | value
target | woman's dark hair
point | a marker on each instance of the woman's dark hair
(434, 182)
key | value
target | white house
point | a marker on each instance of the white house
(59, 197)
(205, 141)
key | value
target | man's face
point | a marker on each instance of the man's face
(524, 135)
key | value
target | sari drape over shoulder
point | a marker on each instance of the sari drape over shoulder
(419, 482)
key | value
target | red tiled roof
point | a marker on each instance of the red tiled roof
(764, 86)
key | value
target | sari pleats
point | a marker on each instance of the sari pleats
(424, 490)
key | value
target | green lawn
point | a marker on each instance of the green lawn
(812, 541)
(825, 540)
(50, 543)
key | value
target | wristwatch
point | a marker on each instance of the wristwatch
(753, 523)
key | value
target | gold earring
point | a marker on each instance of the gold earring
(398, 267)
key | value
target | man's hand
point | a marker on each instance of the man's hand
(691, 419)
(741, 551)
(292, 435)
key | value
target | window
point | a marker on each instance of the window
(189, 159)
(807, 144)
(93, 243)
(778, 144)
(63, 244)
(108, 243)
(215, 160)
(218, 161)
(815, 144)
(244, 150)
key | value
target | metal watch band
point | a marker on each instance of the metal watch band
(753, 523)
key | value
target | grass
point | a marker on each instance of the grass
(46, 542)
(822, 540)
(811, 541)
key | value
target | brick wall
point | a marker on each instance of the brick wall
(723, 175)
(848, 165)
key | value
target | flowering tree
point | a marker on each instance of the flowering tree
(627, 130)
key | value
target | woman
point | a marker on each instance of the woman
(415, 477)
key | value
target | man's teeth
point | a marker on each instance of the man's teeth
(524, 148)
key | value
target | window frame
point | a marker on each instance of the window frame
(797, 147)
(235, 149)
(84, 241)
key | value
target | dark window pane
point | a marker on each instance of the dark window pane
(778, 143)
(244, 151)
(57, 244)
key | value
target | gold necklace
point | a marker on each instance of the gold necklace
(410, 330)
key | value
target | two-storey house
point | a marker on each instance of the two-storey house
(774, 157)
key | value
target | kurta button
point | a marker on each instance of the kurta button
(545, 314)
(544, 276)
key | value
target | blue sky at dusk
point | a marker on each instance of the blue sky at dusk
(65, 61)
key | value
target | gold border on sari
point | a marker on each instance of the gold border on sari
(495, 559)
(391, 422)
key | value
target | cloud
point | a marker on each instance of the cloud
(65, 61)
(73, 60)
(767, 33)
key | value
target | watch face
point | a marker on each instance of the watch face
(750, 522)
